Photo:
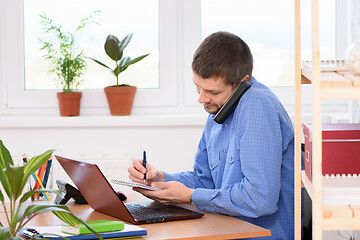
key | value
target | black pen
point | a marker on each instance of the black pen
(144, 164)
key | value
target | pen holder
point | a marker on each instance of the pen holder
(48, 184)
(41, 179)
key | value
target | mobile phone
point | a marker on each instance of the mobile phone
(70, 192)
(231, 103)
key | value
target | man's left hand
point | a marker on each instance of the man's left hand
(170, 193)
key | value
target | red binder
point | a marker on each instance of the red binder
(340, 149)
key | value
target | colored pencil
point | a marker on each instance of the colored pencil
(37, 179)
(41, 173)
(47, 173)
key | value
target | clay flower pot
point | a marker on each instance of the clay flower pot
(120, 99)
(69, 103)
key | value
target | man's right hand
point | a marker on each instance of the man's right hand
(137, 172)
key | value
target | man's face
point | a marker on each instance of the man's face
(213, 92)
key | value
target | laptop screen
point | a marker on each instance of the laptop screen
(95, 188)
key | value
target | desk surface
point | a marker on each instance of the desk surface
(210, 226)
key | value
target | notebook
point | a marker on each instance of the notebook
(54, 232)
(100, 195)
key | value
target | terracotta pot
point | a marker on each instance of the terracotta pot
(120, 99)
(69, 103)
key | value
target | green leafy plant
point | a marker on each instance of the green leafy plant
(115, 50)
(61, 51)
(17, 210)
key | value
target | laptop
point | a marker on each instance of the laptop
(100, 195)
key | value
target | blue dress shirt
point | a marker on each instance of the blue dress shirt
(245, 166)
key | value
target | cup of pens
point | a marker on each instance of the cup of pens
(41, 179)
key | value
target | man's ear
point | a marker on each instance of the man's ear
(246, 78)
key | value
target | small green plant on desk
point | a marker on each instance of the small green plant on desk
(18, 211)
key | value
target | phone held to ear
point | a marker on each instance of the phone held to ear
(231, 103)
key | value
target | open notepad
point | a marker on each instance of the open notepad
(134, 184)
(54, 232)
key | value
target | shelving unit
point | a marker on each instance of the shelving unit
(328, 83)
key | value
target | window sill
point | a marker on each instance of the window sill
(103, 121)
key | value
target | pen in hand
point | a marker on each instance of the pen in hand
(144, 164)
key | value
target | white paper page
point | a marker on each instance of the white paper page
(133, 184)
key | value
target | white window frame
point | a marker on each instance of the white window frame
(180, 35)
(15, 98)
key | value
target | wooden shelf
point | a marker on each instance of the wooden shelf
(341, 202)
(336, 84)
(332, 79)
(341, 217)
(337, 190)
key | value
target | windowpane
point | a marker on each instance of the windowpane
(268, 28)
(118, 17)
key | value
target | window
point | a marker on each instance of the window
(19, 97)
(268, 28)
(180, 27)
(116, 17)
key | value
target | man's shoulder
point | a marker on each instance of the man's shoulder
(260, 98)
(261, 94)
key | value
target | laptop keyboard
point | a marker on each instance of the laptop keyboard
(139, 211)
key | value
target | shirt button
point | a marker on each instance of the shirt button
(223, 150)
(226, 124)
(211, 165)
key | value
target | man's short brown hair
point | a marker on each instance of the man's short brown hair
(225, 55)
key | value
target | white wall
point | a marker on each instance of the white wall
(170, 141)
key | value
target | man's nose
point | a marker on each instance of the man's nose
(203, 98)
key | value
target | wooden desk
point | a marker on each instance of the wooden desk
(210, 226)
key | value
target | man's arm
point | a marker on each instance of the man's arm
(260, 146)
(177, 188)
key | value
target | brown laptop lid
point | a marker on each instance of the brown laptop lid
(95, 188)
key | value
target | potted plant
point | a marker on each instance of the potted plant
(120, 97)
(66, 61)
(17, 210)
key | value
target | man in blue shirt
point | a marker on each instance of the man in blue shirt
(244, 167)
